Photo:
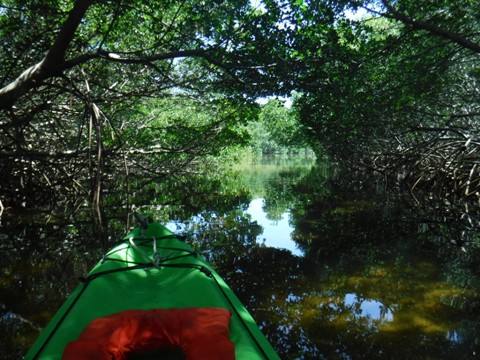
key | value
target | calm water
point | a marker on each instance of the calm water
(331, 267)
(276, 233)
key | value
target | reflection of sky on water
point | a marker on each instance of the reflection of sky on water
(277, 234)
(370, 308)
(454, 336)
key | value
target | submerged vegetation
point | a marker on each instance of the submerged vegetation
(373, 273)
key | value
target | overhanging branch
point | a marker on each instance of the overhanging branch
(434, 30)
(51, 65)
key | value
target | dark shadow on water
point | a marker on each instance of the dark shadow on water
(381, 277)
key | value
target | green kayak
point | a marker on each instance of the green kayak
(152, 296)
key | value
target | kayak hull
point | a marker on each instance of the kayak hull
(152, 269)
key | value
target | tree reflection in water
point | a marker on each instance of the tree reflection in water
(373, 282)
(379, 279)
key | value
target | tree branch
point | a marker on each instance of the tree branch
(460, 40)
(55, 63)
(149, 60)
(51, 65)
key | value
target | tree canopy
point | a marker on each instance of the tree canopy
(91, 90)
(78, 76)
(399, 92)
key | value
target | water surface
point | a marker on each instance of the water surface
(330, 266)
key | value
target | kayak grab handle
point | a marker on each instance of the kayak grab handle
(142, 220)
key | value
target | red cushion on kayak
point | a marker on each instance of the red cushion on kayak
(201, 333)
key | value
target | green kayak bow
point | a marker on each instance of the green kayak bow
(152, 275)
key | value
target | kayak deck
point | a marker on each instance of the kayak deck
(152, 269)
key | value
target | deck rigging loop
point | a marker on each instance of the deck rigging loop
(155, 260)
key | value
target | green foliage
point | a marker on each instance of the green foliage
(384, 78)
(262, 141)
(282, 124)
(145, 87)
(277, 130)
(186, 125)
(169, 79)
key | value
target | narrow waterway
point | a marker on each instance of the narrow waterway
(347, 270)
(330, 266)
(269, 179)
